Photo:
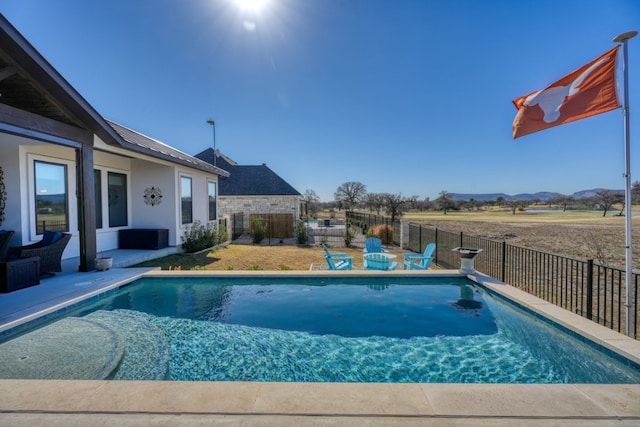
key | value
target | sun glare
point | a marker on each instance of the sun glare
(252, 5)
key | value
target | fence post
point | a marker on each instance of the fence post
(437, 246)
(504, 261)
(461, 237)
(589, 288)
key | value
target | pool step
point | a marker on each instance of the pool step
(71, 348)
(146, 353)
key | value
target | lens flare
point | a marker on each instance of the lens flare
(252, 5)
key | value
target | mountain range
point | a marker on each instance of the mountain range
(542, 195)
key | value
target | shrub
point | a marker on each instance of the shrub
(301, 233)
(222, 235)
(258, 229)
(383, 232)
(198, 237)
(371, 232)
(348, 236)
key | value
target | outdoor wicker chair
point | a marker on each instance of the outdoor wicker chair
(5, 239)
(50, 253)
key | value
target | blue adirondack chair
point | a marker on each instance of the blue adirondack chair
(379, 261)
(337, 260)
(420, 261)
(373, 245)
(339, 263)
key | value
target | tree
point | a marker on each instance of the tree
(445, 201)
(606, 199)
(635, 193)
(562, 201)
(413, 202)
(374, 202)
(394, 204)
(350, 193)
(310, 199)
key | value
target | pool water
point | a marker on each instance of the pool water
(341, 330)
(348, 308)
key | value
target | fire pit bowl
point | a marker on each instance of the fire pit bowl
(466, 259)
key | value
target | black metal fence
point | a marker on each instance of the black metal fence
(368, 221)
(237, 225)
(594, 291)
(51, 225)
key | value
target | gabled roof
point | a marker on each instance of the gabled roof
(247, 180)
(142, 143)
(37, 101)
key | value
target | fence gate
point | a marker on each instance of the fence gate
(237, 224)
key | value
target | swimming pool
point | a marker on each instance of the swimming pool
(382, 329)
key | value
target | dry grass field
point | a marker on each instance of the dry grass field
(581, 235)
(574, 234)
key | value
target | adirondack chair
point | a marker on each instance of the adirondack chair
(379, 261)
(419, 261)
(373, 245)
(328, 253)
(337, 260)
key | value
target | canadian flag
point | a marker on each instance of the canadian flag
(587, 91)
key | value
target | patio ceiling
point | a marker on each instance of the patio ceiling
(19, 92)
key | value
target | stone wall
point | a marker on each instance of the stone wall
(228, 205)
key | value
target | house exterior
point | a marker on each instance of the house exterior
(66, 168)
(252, 189)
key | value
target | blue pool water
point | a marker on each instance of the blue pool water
(447, 330)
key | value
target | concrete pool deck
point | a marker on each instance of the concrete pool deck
(128, 403)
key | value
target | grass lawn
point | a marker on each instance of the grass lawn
(253, 257)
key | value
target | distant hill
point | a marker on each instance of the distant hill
(542, 195)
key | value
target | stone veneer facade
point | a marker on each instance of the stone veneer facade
(229, 205)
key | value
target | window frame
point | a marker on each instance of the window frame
(211, 182)
(126, 199)
(184, 220)
(65, 165)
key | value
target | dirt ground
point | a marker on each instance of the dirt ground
(602, 242)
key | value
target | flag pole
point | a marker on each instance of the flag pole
(623, 39)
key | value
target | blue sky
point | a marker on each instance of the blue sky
(405, 96)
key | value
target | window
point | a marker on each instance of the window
(117, 193)
(51, 197)
(97, 191)
(187, 200)
(211, 186)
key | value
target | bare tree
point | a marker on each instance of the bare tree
(350, 193)
(562, 201)
(374, 202)
(413, 202)
(606, 199)
(310, 199)
(394, 204)
(635, 193)
(445, 201)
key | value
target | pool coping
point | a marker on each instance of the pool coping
(24, 402)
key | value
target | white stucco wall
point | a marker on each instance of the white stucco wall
(200, 198)
(145, 175)
(17, 155)
(9, 155)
